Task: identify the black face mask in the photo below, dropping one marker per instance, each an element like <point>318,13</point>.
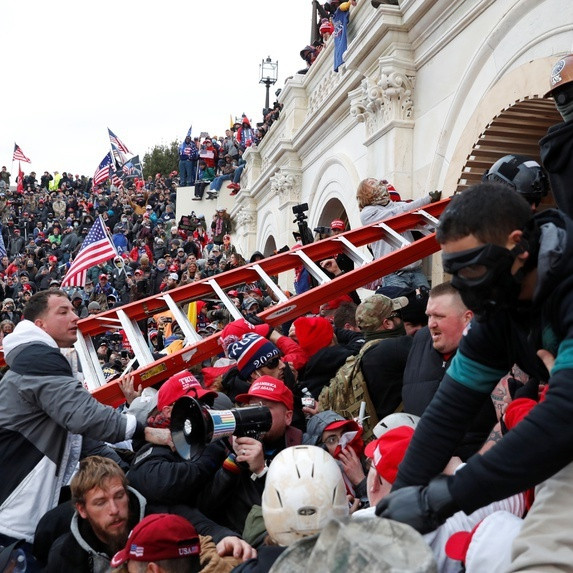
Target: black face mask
<point>483,277</point>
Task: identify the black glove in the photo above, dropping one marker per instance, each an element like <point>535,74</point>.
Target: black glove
<point>519,390</point>
<point>423,508</point>
<point>435,196</point>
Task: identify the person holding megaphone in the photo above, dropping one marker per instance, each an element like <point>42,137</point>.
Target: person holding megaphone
<point>238,485</point>
<point>173,484</point>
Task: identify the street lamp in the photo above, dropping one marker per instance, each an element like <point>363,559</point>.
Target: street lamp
<point>269,74</point>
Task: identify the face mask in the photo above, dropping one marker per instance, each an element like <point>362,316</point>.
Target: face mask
<point>483,277</point>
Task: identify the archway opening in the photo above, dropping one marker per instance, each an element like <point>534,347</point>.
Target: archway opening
<point>334,209</point>
<point>270,247</point>
<point>516,129</point>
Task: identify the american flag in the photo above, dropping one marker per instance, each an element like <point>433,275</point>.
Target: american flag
<point>119,157</point>
<point>96,248</point>
<point>117,142</point>
<point>102,172</point>
<point>19,154</point>
<point>116,178</point>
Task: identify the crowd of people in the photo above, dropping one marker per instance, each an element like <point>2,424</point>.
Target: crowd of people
<point>445,408</point>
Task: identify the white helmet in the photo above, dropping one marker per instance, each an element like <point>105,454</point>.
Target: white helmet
<point>303,491</point>
<point>394,421</point>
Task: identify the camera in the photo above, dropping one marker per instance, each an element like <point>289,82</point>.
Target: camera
<point>322,230</point>
<point>299,210</point>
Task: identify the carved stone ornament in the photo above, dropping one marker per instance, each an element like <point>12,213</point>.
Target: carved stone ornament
<point>378,102</point>
<point>246,220</point>
<point>286,185</point>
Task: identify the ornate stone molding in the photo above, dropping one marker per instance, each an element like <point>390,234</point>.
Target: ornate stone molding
<point>247,220</point>
<point>383,99</point>
<point>287,185</point>
<point>323,91</point>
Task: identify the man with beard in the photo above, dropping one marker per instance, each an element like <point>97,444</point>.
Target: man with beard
<point>514,271</point>
<point>106,509</point>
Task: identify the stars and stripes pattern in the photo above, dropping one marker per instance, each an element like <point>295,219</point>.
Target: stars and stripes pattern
<point>117,142</point>
<point>102,172</point>
<point>19,154</point>
<point>96,248</point>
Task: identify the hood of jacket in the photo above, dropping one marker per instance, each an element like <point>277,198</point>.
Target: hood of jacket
<point>26,332</point>
<point>316,425</point>
<point>137,505</point>
<point>553,235</point>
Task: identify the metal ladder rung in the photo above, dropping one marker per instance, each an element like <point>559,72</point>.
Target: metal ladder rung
<point>190,333</point>
<point>429,219</point>
<point>233,310</point>
<point>281,296</point>
<point>392,237</point>
<point>136,339</point>
<point>351,251</point>
<point>89,360</point>
<point>312,267</point>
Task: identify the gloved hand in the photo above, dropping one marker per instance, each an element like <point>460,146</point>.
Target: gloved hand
<point>435,196</point>
<point>423,508</point>
<point>518,389</point>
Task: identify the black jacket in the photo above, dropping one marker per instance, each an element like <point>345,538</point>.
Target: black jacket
<point>228,499</point>
<point>424,371</point>
<point>80,550</point>
<point>556,150</point>
<point>383,366</point>
<point>163,476</point>
<point>542,443</point>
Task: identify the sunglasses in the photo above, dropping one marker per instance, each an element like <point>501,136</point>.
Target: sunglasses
<point>272,364</point>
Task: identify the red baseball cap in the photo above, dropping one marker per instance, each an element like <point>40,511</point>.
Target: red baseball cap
<point>268,388</point>
<point>159,536</point>
<point>348,425</point>
<point>181,384</point>
<point>338,224</point>
<point>53,259</point>
<point>388,451</point>
<point>103,276</point>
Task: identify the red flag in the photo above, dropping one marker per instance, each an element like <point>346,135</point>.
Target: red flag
<point>20,180</point>
<point>96,248</point>
<point>19,155</point>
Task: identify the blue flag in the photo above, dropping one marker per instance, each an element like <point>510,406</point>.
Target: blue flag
<point>340,21</point>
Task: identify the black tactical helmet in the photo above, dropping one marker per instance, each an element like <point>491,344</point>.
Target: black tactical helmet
<point>522,173</point>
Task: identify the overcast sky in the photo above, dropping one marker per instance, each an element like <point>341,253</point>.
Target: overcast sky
<point>145,69</point>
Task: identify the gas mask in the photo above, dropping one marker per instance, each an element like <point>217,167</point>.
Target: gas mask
<point>483,277</point>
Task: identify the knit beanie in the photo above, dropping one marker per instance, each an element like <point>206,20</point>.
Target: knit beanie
<point>251,352</point>
<point>313,333</point>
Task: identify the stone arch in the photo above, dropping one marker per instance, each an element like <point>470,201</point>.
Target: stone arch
<point>333,191</point>
<point>266,241</point>
<point>515,130</point>
<point>500,87</point>
<point>333,209</point>
<point>502,96</point>
<point>270,247</point>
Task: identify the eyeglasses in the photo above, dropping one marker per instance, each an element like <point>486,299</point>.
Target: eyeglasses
<point>332,440</point>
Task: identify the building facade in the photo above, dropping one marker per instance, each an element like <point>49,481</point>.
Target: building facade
<point>431,93</point>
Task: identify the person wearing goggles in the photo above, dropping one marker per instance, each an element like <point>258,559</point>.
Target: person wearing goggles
<point>514,269</point>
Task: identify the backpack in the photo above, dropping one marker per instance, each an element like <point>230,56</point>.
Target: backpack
<point>347,390</point>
